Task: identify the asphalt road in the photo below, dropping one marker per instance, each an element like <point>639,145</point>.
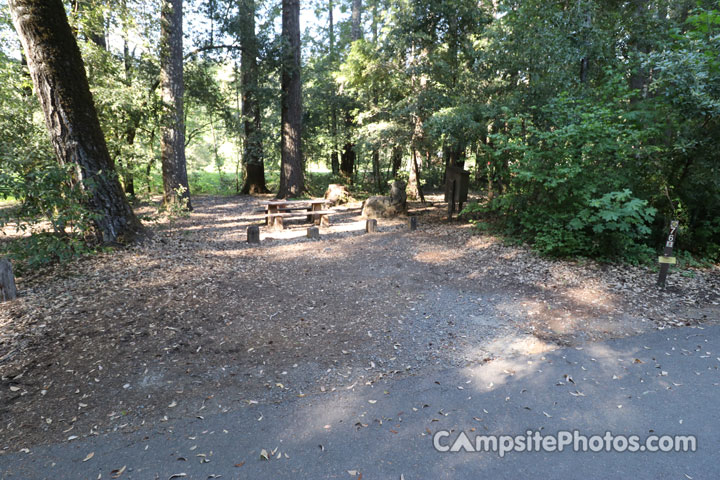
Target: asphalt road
<point>662,383</point>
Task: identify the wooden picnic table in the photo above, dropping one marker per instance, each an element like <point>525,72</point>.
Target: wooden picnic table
<point>277,210</point>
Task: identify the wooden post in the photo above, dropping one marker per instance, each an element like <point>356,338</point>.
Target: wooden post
<point>371,226</point>
<point>313,232</point>
<point>412,223</point>
<point>8,290</point>
<point>667,259</point>
<point>253,234</point>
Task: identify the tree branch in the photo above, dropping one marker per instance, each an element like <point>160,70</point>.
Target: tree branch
<point>212,47</point>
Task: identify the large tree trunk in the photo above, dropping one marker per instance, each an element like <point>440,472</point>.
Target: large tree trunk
<point>377,175</point>
<point>347,163</point>
<point>59,77</point>
<point>586,44</point>
<point>396,161</point>
<point>292,182</point>
<point>335,161</point>
<point>174,168</point>
<point>334,155</point>
<point>414,186</point>
<point>637,46</point>
<point>418,84</point>
<point>253,156</point>
<point>356,20</point>
<point>134,120</point>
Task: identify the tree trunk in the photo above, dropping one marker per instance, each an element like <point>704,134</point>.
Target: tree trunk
<point>638,44</point>
<point>253,156</point>
<point>174,167</point>
<point>334,155</point>
<point>292,182</point>
<point>335,161</point>
<point>396,161</point>
<point>377,176</point>
<point>59,77</point>
<point>414,186</point>
<point>134,120</point>
<point>418,85</point>
<point>347,165</point>
<point>586,44</point>
<point>356,20</point>
<point>347,162</point>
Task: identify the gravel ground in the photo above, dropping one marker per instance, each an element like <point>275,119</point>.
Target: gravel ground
<point>194,321</point>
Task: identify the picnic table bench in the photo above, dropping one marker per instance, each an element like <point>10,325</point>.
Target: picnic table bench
<point>277,211</point>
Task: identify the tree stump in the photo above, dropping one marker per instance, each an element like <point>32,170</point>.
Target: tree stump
<point>412,223</point>
<point>8,290</point>
<point>313,232</point>
<point>277,224</point>
<point>337,194</point>
<point>253,234</point>
<point>371,226</point>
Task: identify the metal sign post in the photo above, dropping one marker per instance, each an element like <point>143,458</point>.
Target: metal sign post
<point>667,259</point>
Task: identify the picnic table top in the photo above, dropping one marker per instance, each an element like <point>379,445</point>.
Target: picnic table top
<point>300,215</point>
<point>291,202</point>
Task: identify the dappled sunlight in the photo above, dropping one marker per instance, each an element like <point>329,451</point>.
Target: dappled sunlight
<point>327,412</point>
<point>569,315</point>
<point>509,255</point>
<point>589,296</point>
<point>226,253</point>
<point>197,302</point>
<point>520,345</point>
<point>603,352</point>
<point>14,231</point>
<point>438,256</point>
<point>481,242</point>
<point>496,373</point>
<point>292,232</point>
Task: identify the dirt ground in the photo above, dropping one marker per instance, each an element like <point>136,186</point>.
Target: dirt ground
<point>194,320</point>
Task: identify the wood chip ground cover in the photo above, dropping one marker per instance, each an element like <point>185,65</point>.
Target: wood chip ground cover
<point>194,320</point>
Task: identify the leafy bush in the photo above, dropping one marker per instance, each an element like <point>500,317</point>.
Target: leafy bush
<point>49,203</point>
<point>571,181</point>
<point>615,224</point>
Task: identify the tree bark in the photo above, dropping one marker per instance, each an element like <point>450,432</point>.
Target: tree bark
<point>638,45</point>
<point>292,182</point>
<point>377,175</point>
<point>347,164</point>
<point>586,45</point>
<point>253,155</point>
<point>356,20</point>
<point>334,155</point>
<point>134,120</point>
<point>335,161</point>
<point>61,84</point>
<point>418,85</point>
<point>174,166</point>
<point>396,161</point>
<point>414,186</point>
<point>347,161</point>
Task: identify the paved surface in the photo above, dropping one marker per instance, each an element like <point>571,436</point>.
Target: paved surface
<point>665,383</point>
